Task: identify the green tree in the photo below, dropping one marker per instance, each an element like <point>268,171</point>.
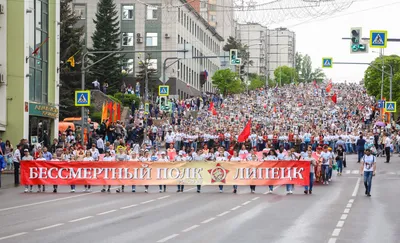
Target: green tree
<point>106,37</point>
<point>298,59</point>
<point>373,78</point>
<point>285,75</point>
<point>227,82</point>
<point>318,75</point>
<point>304,69</point>
<point>71,43</point>
<point>256,81</point>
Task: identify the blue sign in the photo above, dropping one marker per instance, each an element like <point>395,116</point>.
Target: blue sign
<point>381,104</point>
<point>378,39</point>
<point>327,62</point>
<point>390,106</point>
<point>82,98</point>
<point>163,90</point>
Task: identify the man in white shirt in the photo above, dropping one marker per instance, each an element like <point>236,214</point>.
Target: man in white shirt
<point>388,142</point>
<point>100,145</point>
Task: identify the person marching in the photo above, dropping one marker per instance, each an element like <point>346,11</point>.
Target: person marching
<point>163,158</point>
<point>313,163</point>
<point>121,156</point>
<point>326,160</point>
<point>368,169</point>
<point>235,158</point>
<point>88,158</point>
<point>271,156</point>
<point>107,157</point>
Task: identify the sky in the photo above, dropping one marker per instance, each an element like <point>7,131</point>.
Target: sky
<point>323,37</point>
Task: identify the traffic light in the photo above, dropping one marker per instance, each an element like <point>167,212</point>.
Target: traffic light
<point>242,71</point>
<point>356,43</point>
<point>233,57</point>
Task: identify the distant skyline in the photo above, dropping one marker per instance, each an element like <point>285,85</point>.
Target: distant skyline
<point>322,37</point>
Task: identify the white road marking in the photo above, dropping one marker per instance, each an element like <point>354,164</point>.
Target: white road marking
<point>190,228</point>
<point>233,209</point>
<point>12,236</point>
<point>347,172</point>
<point>346,210</point>
<point>351,200</point>
<point>354,172</point>
<point>332,240</point>
<point>207,220</point>
<point>348,205</point>
<point>48,201</point>
<point>224,213</point>
<point>49,227</point>
<point>147,201</point>
<point>340,224</point>
<point>160,198</point>
<point>80,219</point>
<point>245,203</point>
<point>107,212</point>
<point>255,198</point>
<point>343,217</point>
<point>356,187</point>
<point>130,206</point>
<point>336,232</point>
<point>168,238</point>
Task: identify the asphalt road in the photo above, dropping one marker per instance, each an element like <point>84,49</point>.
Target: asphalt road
<point>339,212</point>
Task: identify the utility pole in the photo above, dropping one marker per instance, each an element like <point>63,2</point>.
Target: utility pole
<point>383,74</point>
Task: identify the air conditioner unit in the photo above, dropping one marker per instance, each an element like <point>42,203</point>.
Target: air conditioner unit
<point>167,36</point>
<point>138,35</point>
<point>139,40</point>
<point>2,9</point>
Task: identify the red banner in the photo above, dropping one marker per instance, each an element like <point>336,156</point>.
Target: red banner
<point>165,173</point>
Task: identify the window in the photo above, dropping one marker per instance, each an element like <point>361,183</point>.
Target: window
<point>151,39</point>
<point>80,11</point>
<point>203,5</point>
<point>127,12</point>
<point>151,12</point>
<point>212,7</point>
<point>127,65</point>
<point>152,64</point>
<point>127,39</point>
<point>213,18</point>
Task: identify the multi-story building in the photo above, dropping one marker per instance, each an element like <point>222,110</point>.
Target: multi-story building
<point>281,49</point>
<point>254,35</point>
<point>155,26</point>
<point>29,62</point>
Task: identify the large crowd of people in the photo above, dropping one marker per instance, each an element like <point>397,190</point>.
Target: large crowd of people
<point>291,122</point>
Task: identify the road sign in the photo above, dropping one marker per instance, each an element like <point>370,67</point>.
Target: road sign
<point>146,108</point>
<point>378,38</point>
<point>381,104</point>
<point>390,106</point>
<point>327,62</point>
<point>163,90</point>
<point>82,98</point>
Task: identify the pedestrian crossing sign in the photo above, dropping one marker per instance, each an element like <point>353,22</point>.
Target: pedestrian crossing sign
<point>390,106</point>
<point>378,39</point>
<point>82,98</point>
<point>327,62</point>
<point>163,90</point>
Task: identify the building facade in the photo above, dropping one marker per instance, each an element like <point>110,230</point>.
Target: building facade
<point>158,27</point>
<point>281,49</point>
<point>254,36</point>
<point>29,69</point>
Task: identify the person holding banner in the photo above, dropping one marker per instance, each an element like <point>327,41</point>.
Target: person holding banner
<point>163,158</point>
<point>271,156</point>
<point>313,163</point>
<point>122,156</point>
<point>235,158</point>
<point>107,157</point>
<point>145,158</point>
<point>221,158</point>
<point>252,157</point>
<point>27,157</point>
<point>88,158</point>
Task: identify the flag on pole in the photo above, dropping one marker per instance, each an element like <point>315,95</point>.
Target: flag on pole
<point>71,61</point>
<point>114,117</point>
<point>118,111</point>
<point>104,112</point>
<point>245,133</point>
<point>334,98</point>
<point>110,105</point>
<point>211,106</point>
<point>36,51</point>
<point>329,87</point>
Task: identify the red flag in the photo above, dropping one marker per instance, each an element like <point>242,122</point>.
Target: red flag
<point>118,111</point>
<point>245,133</point>
<point>35,52</point>
<point>328,88</point>
<point>211,106</point>
<point>214,112</point>
<point>110,109</point>
<point>275,109</point>
<point>334,98</point>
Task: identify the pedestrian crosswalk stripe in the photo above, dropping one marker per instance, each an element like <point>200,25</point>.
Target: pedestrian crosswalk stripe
<point>347,171</point>
<point>355,172</point>
<point>82,99</point>
<point>378,40</point>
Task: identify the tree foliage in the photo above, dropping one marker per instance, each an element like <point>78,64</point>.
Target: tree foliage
<point>106,37</point>
<point>243,52</point>
<point>256,81</point>
<point>373,78</point>
<point>285,75</point>
<point>152,76</point>
<point>227,82</point>
<point>71,42</point>
<point>304,69</point>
